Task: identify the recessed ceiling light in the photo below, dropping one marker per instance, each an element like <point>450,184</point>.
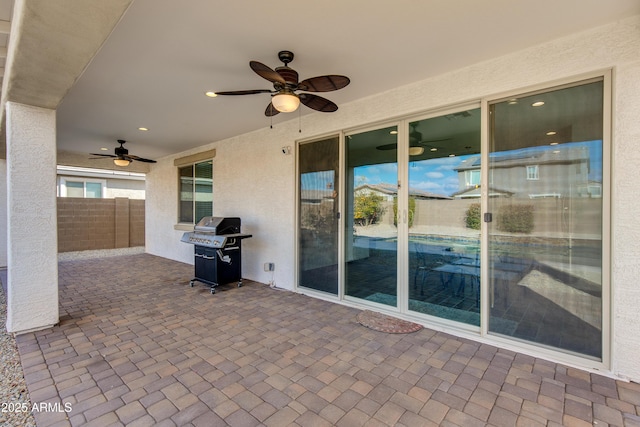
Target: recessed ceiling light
<point>394,132</point>
<point>513,101</point>
<point>452,155</point>
<point>553,143</point>
<point>104,149</point>
<point>434,149</point>
<point>211,94</point>
<point>551,132</point>
<point>538,104</point>
<point>143,129</point>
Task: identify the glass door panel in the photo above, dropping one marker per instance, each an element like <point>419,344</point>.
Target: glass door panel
<point>545,238</point>
<point>318,165</point>
<point>371,237</point>
<point>444,216</point>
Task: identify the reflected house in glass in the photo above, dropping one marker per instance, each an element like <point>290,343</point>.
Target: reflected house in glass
<point>389,191</point>
<point>538,172</point>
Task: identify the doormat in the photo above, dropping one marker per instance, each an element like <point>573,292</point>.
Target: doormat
<point>383,323</point>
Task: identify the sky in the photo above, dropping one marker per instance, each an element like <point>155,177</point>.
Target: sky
<point>439,176</point>
<point>435,176</point>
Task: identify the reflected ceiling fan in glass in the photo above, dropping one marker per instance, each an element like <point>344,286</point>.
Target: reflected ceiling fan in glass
<point>416,144</point>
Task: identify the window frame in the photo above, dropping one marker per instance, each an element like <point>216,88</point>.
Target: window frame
<point>63,186</point>
<point>473,178</point>
<point>193,200</point>
<point>535,176</point>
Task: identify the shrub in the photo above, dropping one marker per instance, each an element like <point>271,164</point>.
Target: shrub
<point>515,218</point>
<point>412,210</point>
<point>472,217</point>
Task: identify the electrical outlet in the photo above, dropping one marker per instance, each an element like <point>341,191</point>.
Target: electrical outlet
<point>269,266</point>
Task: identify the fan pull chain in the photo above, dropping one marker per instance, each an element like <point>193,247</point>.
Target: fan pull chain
<point>299,120</point>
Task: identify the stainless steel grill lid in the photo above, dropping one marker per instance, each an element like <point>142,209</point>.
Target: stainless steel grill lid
<point>218,225</point>
<point>215,232</point>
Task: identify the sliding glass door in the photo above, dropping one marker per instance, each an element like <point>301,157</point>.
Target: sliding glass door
<point>318,173</point>
<point>444,216</point>
<point>546,206</point>
<point>500,232</point>
<point>371,234</point>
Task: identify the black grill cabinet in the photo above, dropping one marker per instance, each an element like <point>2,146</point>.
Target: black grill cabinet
<point>217,251</point>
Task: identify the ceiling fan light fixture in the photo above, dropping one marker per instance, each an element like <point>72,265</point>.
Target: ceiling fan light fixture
<point>286,102</point>
<point>416,151</point>
<point>121,162</point>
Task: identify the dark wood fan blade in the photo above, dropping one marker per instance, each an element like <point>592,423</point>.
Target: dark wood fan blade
<point>139,159</point>
<point>271,110</point>
<point>103,155</point>
<point>244,92</point>
<point>324,83</point>
<point>317,103</point>
<point>266,72</point>
<point>387,147</point>
<point>427,142</point>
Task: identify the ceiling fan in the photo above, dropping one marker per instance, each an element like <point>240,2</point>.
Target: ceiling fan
<point>285,85</point>
<point>416,143</point>
<point>122,156</point>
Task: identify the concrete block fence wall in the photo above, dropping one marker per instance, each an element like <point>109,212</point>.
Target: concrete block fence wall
<point>86,224</point>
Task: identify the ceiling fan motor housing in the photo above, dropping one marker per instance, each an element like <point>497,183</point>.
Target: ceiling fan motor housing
<point>289,75</point>
<point>121,151</point>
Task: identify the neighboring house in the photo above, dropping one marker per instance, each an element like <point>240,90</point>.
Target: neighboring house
<point>316,197</point>
<point>99,183</point>
<point>390,191</point>
<point>541,172</point>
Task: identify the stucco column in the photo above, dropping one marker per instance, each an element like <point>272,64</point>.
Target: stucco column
<point>32,242</point>
<point>3,213</point>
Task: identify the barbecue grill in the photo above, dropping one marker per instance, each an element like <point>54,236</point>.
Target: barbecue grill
<point>217,251</point>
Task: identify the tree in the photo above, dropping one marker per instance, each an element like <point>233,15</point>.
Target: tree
<point>367,208</point>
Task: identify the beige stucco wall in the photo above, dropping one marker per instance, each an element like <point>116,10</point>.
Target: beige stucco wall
<point>254,180</point>
<point>125,188</point>
<point>3,214</point>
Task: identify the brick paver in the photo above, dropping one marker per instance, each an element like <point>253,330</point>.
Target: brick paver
<point>136,345</point>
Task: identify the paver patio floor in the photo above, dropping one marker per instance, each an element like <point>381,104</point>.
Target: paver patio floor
<point>136,345</point>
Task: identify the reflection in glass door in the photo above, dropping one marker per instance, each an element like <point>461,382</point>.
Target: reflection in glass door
<point>444,216</point>
<point>545,237</point>
<point>371,237</point>
<point>318,166</point>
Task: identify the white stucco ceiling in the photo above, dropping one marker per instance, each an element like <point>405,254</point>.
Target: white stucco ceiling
<point>163,55</point>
